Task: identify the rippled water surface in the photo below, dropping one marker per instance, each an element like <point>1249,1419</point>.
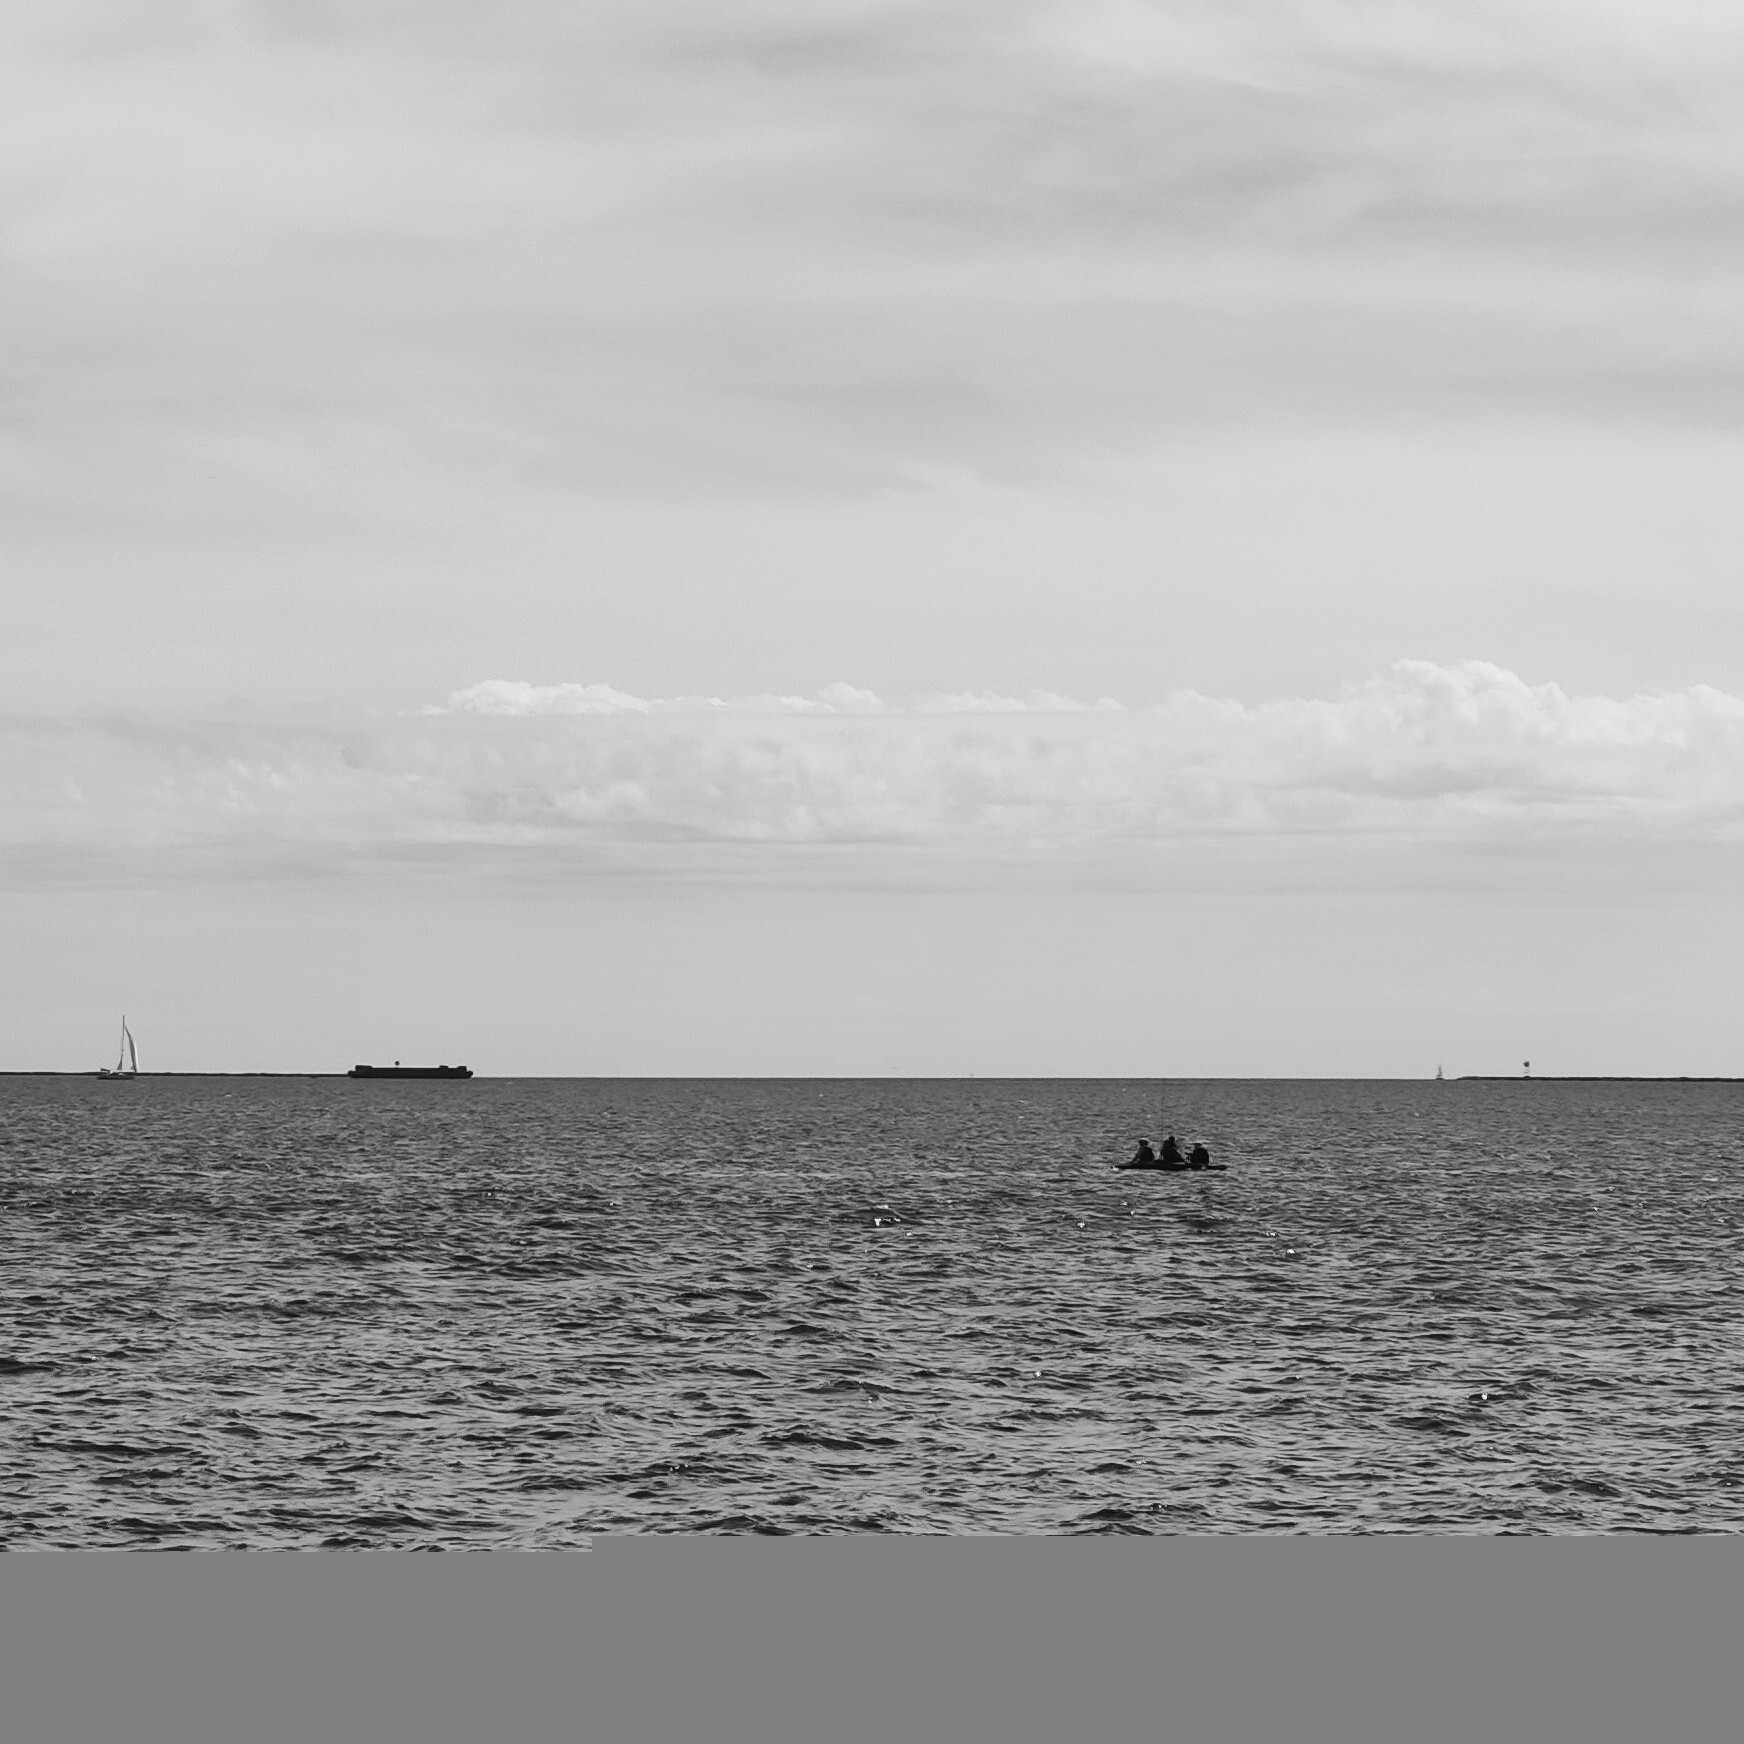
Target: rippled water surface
<point>284,1312</point>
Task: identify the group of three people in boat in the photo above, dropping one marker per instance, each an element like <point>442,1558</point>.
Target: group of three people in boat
<point>1170,1158</point>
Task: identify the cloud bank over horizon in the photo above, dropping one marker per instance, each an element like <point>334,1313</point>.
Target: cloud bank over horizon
<point>1422,754</point>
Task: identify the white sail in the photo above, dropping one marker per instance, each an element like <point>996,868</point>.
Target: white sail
<point>127,1060</point>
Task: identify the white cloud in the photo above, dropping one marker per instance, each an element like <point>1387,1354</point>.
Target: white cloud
<point>987,702</point>
<point>499,696</point>
<point>1422,753</point>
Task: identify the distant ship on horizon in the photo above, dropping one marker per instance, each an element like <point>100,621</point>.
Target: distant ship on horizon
<point>396,1070</point>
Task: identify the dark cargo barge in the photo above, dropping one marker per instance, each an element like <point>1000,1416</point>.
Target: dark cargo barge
<point>398,1071</point>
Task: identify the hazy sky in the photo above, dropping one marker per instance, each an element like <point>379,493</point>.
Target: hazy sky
<point>1137,537</point>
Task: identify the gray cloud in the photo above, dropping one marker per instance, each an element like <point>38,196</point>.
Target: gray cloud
<point>347,252</point>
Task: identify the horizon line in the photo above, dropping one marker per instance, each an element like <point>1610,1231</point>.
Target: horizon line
<point>933,1077</point>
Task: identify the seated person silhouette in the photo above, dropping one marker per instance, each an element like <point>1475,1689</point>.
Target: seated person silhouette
<point>1172,1153</point>
<point>1144,1155</point>
<point>1199,1157</point>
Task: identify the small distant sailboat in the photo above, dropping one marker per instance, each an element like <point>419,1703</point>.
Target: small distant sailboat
<point>1438,1075</point>
<point>127,1062</point>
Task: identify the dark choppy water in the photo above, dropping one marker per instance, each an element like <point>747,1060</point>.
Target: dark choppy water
<point>304,1312</point>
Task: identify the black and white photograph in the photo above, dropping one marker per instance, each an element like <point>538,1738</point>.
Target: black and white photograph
<point>816,768</point>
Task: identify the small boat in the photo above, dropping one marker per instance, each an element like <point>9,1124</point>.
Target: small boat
<point>1170,1159</point>
<point>127,1062</point>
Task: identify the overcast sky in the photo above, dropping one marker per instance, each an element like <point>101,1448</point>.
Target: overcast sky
<point>1138,537</point>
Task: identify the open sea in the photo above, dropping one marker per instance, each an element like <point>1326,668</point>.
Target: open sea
<point>281,1312</point>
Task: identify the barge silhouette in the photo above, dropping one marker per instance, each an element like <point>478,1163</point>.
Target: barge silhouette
<point>396,1070</point>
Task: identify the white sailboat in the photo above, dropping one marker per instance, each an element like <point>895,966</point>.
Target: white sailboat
<point>127,1063</point>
